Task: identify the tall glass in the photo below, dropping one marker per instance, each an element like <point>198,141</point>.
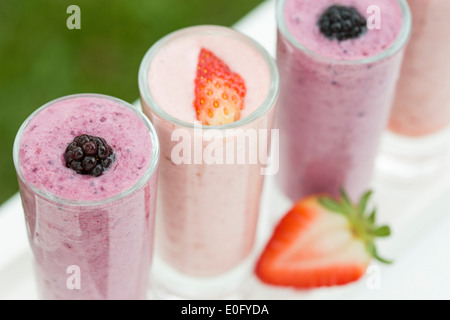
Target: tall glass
<point>418,143</point>
<point>207,212</point>
<point>332,112</point>
<point>99,247</point>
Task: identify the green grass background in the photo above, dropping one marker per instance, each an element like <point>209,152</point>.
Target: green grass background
<point>40,59</point>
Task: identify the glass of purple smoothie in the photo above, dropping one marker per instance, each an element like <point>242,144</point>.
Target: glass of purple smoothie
<point>339,62</point>
<point>87,171</point>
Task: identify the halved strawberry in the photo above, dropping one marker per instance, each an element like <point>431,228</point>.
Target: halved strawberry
<point>219,92</point>
<point>321,241</point>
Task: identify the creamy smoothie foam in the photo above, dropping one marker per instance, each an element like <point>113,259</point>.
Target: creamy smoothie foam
<point>207,214</point>
<point>335,95</point>
<point>102,225</point>
<point>172,71</point>
<point>301,18</point>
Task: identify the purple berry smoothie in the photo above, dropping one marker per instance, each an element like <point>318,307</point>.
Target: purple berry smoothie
<point>102,225</point>
<point>335,95</point>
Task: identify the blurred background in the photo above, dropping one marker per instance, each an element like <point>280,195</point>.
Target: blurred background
<point>41,59</point>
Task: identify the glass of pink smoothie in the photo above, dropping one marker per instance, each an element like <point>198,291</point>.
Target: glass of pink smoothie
<point>418,142</point>
<point>91,232</point>
<point>422,104</point>
<point>337,86</point>
<point>207,210</point>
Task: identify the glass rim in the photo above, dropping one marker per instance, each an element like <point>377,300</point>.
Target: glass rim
<point>262,109</point>
<point>396,46</point>
<point>151,169</point>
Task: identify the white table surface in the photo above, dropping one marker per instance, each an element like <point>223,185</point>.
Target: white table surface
<point>418,213</point>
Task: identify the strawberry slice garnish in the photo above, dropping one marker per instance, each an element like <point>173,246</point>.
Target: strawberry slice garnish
<point>219,92</point>
<point>321,241</point>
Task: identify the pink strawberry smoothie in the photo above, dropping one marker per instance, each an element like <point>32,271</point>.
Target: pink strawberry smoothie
<point>335,95</point>
<point>422,103</point>
<point>207,213</point>
<point>103,225</point>
<point>171,72</point>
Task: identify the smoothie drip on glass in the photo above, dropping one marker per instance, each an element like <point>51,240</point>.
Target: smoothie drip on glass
<point>99,226</point>
<point>336,91</point>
